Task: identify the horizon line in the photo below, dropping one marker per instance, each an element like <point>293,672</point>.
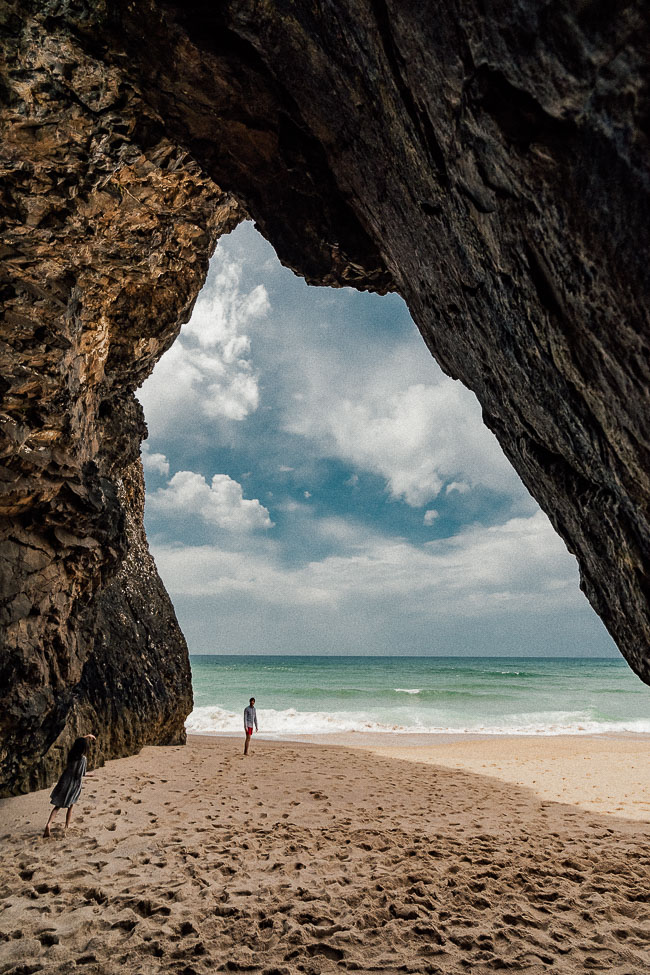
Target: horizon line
<point>437,656</point>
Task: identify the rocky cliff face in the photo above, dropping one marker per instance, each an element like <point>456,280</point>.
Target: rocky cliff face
<point>108,226</point>
<point>489,161</point>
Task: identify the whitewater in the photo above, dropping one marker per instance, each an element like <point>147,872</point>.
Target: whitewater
<point>316,695</point>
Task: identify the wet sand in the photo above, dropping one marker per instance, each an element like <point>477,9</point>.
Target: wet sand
<point>304,858</point>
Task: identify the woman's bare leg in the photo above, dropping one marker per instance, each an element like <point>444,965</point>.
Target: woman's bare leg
<point>68,816</point>
<point>46,831</point>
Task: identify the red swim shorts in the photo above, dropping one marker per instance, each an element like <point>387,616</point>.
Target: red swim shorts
<point>249,731</point>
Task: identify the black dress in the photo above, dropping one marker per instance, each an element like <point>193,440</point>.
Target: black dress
<point>68,789</point>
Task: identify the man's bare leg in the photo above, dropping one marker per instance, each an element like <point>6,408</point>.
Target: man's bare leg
<point>246,744</point>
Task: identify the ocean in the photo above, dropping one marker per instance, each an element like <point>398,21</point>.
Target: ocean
<point>319,695</point>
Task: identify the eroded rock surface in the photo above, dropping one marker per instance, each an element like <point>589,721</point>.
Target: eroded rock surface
<point>490,161</point>
<point>108,226</point>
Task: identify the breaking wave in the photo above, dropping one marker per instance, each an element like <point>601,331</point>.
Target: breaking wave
<point>215,720</point>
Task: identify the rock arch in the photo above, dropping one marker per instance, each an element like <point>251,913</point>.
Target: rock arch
<point>488,160</point>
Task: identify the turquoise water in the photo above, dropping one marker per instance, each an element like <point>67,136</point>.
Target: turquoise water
<point>299,695</point>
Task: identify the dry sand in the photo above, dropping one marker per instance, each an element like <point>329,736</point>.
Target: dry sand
<point>304,858</point>
<point>603,774</point>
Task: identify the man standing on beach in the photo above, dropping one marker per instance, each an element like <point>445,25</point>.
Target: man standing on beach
<point>250,719</point>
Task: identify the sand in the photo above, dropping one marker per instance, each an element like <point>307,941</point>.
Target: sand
<point>603,774</point>
<point>305,858</point>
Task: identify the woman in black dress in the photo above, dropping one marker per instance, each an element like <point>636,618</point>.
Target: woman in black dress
<point>68,789</point>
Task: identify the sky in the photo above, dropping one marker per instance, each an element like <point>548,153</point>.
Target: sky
<point>316,484</point>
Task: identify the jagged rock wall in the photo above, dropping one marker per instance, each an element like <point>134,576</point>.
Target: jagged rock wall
<point>135,686</point>
<point>489,160</point>
<point>107,228</point>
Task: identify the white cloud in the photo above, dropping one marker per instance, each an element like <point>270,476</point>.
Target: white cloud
<point>289,506</point>
<point>430,516</point>
<point>156,463</point>
<point>417,435</point>
<point>222,310</point>
<point>460,486</point>
<point>220,503</point>
<point>207,373</point>
<point>521,566</point>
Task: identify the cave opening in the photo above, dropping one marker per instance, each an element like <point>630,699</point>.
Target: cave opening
<point>316,486</point>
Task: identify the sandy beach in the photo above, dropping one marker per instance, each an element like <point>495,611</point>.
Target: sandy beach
<point>603,774</point>
<point>316,859</point>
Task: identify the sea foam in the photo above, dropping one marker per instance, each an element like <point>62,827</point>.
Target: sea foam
<point>216,720</point>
